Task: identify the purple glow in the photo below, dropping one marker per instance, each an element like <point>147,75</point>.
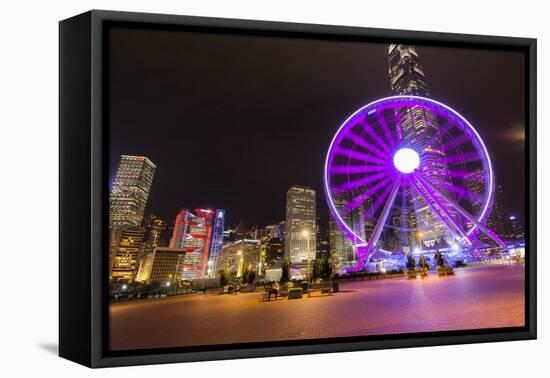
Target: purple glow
<point>380,156</point>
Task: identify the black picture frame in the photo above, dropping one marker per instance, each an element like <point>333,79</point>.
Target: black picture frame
<point>83,196</point>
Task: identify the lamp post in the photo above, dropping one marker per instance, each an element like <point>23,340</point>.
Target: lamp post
<point>305,234</point>
<point>420,236</point>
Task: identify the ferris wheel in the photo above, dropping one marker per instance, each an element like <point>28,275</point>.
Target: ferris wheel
<point>408,165</point>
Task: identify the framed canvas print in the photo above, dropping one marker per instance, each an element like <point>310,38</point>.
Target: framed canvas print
<point>233,188</point>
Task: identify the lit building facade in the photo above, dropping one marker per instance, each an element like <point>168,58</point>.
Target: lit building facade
<point>242,254</point>
<point>216,244</point>
<point>271,231</point>
<point>300,217</point>
<point>125,244</point>
<point>200,236</point>
<point>130,190</point>
<point>499,216</point>
<point>516,230</point>
<point>154,228</point>
<point>275,251</point>
<point>162,266</point>
<point>342,248</point>
<point>497,219</point>
<point>419,128</point>
<point>475,185</point>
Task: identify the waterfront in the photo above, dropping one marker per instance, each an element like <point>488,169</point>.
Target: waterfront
<point>479,297</point>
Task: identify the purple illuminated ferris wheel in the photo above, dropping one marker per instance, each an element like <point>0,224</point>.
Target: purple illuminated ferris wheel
<point>404,166</point>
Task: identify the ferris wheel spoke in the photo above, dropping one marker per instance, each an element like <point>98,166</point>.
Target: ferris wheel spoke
<point>434,139</point>
<point>464,213</point>
<point>445,216</point>
<point>387,133</point>
<point>347,186</point>
<point>362,197</point>
<point>352,169</point>
<point>456,142</point>
<point>366,145</point>
<point>458,173</point>
<point>379,201</point>
<point>349,153</point>
<point>384,216</point>
<point>377,139</point>
<point>462,158</point>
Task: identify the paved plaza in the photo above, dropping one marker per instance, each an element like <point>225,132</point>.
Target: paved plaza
<point>477,297</point>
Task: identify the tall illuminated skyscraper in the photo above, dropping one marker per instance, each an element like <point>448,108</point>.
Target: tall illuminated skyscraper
<point>419,129</point>
<point>200,236</point>
<point>300,218</point>
<point>130,190</point>
<point>217,243</point>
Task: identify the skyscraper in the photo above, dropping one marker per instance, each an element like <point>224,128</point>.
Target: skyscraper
<point>341,247</point>
<point>419,129</point>
<point>200,235</point>
<point>217,243</point>
<point>498,219</point>
<point>154,228</point>
<point>475,184</point>
<point>300,221</point>
<point>125,244</point>
<point>130,190</point>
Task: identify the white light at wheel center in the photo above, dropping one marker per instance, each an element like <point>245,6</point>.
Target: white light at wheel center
<point>406,160</point>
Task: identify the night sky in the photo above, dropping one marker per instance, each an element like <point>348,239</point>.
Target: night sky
<point>233,121</point>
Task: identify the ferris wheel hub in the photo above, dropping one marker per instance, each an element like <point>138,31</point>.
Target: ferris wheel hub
<point>406,160</point>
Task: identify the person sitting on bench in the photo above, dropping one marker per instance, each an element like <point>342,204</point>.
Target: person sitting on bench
<point>274,290</point>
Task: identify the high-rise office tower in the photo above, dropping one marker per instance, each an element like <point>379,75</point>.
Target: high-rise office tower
<point>154,228</point>
<point>342,248</point>
<point>301,227</point>
<point>216,244</point>
<point>130,190</point>
<point>498,218</point>
<point>200,235</point>
<point>125,244</point>
<point>516,230</point>
<point>419,129</point>
<point>475,184</point>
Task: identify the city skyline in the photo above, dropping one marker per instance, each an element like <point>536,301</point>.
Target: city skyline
<point>254,155</point>
<point>361,173</point>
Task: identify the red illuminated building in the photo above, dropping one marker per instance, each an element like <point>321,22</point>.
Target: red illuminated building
<point>193,234</point>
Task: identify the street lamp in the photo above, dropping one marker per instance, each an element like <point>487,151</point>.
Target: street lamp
<point>305,234</point>
<point>420,236</point>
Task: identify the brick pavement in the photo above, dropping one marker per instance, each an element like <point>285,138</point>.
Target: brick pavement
<point>478,297</point>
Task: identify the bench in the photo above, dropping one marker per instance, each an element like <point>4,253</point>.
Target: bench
<point>445,271</point>
<point>322,289</point>
<point>283,292</point>
<point>411,273</point>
